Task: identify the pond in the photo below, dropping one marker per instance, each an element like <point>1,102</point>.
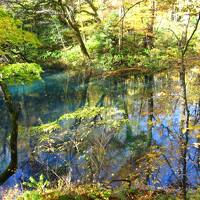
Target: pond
<point>146,113</point>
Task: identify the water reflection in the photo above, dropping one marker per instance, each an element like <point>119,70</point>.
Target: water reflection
<point>152,114</point>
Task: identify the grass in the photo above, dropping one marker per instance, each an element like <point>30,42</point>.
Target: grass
<point>98,192</point>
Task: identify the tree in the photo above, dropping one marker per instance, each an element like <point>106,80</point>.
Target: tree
<point>21,73</point>
<point>13,38</point>
<point>185,123</point>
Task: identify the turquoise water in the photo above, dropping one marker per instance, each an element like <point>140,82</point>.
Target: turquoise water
<point>136,96</point>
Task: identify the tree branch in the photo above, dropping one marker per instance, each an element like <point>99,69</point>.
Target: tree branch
<point>124,15</point>
<point>191,36</point>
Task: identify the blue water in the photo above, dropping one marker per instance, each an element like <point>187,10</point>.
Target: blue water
<point>59,93</point>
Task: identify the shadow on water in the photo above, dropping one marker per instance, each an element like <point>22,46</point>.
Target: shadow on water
<point>151,106</point>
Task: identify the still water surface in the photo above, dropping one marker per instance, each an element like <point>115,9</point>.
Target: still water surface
<point>150,105</point>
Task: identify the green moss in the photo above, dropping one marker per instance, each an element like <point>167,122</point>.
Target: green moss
<point>97,192</point>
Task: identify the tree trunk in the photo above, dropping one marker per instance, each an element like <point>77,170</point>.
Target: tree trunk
<point>69,20</point>
<point>81,43</point>
<point>149,82</point>
<point>94,9</point>
<point>149,38</point>
<point>184,127</point>
<point>149,79</point>
<point>184,44</point>
<point>11,168</point>
<point>121,29</point>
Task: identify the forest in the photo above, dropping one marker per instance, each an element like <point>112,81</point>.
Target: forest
<point>99,99</point>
